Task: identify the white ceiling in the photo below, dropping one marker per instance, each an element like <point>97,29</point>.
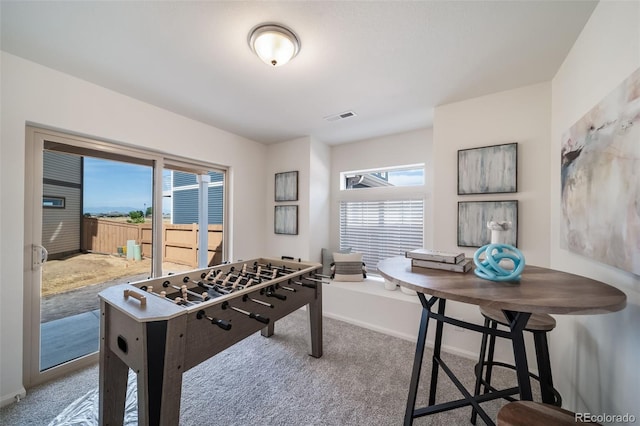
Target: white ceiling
<point>391,62</point>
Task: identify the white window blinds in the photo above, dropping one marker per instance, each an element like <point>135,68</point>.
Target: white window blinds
<point>381,229</point>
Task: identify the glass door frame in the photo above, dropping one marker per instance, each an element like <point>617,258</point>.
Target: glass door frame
<point>36,138</point>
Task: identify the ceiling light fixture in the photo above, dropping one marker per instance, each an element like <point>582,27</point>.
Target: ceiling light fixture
<point>274,44</point>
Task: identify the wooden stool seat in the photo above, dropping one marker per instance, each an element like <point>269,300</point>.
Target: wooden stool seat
<point>537,322</point>
<point>529,413</point>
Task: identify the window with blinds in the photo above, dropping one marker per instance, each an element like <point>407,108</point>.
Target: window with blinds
<point>381,229</point>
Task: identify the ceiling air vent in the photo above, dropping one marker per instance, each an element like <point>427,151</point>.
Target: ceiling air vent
<point>341,116</point>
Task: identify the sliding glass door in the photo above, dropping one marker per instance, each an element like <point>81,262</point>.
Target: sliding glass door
<point>100,216</point>
<point>94,213</point>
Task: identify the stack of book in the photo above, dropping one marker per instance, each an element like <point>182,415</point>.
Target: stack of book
<point>433,259</point>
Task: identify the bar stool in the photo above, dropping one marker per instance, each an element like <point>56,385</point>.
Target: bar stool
<point>526,413</point>
<point>538,325</point>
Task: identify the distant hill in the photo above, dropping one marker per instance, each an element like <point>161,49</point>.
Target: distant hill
<point>112,211</point>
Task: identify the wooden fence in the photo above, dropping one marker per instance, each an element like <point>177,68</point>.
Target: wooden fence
<point>179,242</point>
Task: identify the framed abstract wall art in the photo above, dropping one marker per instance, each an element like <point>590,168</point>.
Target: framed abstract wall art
<point>488,170</point>
<point>474,215</point>
<point>286,186</point>
<point>286,220</point>
<point>600,180</point>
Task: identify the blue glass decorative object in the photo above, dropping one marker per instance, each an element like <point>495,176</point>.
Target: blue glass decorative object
<point>489,268</point>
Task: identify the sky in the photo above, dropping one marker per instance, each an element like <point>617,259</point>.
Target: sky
<point>116,186</point>
<point>407,177</point>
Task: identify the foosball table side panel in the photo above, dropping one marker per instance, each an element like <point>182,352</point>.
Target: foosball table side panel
<point>113,375</point>
<point>160,381</point>
<point>205,339</point>
<point>155,352</point>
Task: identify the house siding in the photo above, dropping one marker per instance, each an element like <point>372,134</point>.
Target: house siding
<point>62,177</point>
<point>185,198</point>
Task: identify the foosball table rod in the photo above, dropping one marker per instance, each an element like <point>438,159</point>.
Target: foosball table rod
<point>237,281</point>
<point>183,289</point>
<point>184,300</point>
<point>259,302</point>
<point>316,280</point>
<point>300,283</point>
<point>252,315</point>
<point>216,321</point>
<point>271,267</point>
<point>326,277</point>
<point>293,290</point>
<point>163,295</point>
<point>212,288</point>
<point>269,292</point>
<point>259,274</point>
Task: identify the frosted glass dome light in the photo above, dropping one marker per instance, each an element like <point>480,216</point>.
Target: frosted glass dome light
<point>274,44</point>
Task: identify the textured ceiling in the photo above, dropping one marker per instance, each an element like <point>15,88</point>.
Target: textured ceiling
<point>390,62</point>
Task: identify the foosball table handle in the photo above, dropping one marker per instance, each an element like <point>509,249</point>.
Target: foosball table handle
<point>140,297</point>
<point>259,318</point>
<point>271,293</point>
<point>303,284</point>
<point>225,325</point>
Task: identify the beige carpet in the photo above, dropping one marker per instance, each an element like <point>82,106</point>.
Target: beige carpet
<point>362,379</point>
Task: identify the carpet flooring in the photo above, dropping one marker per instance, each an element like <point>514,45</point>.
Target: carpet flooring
<point>362,379</point>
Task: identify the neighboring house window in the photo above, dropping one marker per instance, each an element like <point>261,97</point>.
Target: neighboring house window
<point>49,202</point>
<point>412,175</point>
<point>389,220</point>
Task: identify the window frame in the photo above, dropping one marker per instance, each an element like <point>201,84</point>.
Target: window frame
<point>53,205</point>
<point>407,167</point>
<point>158,160</point>
<point>386,193</point>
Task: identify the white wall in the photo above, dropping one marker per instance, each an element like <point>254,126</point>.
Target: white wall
<point>311,159</point>
<point>595,357</point>
<point>387,151</point>
<point>286,157</point>
<point>35,94</point>
<point>368,304</point>
<point>319,193</point>
<point>521,115</point>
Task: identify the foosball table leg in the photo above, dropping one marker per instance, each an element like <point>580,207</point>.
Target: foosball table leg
<point>160,380</point>
<point>112,402</point>
<point>268,330</point>
<point>314,310</point>
<point>155,351</point>
<point>113,375</point>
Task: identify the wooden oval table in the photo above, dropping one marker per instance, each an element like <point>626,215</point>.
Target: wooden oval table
<point>540,290</point>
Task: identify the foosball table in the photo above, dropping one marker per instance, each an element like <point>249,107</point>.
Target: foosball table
<point>162,327</point>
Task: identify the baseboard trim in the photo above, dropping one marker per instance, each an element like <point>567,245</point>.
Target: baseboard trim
<point>368,326</point>
<point>449,349</point>
<point>13,397</point>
